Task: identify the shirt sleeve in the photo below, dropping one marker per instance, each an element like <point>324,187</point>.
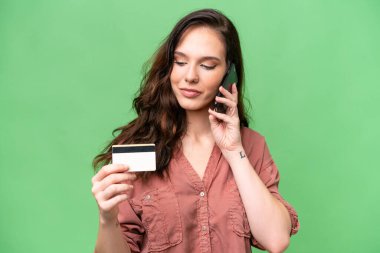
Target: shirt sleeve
<point>131,226</point>
<point>269,174</point>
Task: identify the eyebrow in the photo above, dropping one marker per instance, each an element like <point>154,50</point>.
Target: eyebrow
<point>202,58</point>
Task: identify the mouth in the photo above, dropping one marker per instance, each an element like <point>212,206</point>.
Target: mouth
<point>190,93</point>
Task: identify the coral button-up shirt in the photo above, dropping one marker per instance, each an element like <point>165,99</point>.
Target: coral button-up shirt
<point>184,213</point>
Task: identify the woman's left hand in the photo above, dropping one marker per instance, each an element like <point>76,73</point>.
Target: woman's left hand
<point>226,127</point>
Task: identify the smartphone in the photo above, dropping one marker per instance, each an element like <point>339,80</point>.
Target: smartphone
<point>229,78</point>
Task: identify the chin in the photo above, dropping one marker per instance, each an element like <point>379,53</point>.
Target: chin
<point>188,107</point>
<point>193,106</point>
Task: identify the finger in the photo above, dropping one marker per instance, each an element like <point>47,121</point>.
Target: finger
<point>235,92</point>
<point>226,93</point>
<point>116,178</point>
<point>220,116</point>
<point>111,203</point>
<point>234,88</point>
<point>107,170</point>
<point>116,189</point>
<point>213,120</point>
<point>226,101</point>
<point>231,105</point>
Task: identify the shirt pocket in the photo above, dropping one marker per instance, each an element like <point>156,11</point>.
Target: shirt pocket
<point>237,216</point>
<point>161,219</point>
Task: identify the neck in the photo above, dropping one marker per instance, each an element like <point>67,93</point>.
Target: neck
<point>198,126</point>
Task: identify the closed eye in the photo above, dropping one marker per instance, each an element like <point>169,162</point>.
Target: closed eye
<point>208,67</point>
<point>180,63</point>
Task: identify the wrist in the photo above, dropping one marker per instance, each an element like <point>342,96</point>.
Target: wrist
<point>236,153</point>
<point>108,222</point>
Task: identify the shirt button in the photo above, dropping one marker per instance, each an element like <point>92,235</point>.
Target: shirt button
<point>202,194</point>
<point>147,196</point>
<point>204,228</point>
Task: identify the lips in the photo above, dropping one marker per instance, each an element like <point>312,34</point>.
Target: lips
<point>190,93</point>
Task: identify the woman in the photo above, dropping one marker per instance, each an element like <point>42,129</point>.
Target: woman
<point>216,185</point>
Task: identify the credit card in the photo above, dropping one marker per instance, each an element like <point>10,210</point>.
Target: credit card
<point>138,157</point>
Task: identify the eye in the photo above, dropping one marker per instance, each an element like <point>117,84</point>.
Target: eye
<point>180,63</point>
<point>208,67</point>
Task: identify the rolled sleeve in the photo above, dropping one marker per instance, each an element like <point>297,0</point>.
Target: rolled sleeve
<point>131,226</point>
<point>270,176</point>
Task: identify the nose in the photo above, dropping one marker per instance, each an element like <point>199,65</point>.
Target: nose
<point>192,75</point>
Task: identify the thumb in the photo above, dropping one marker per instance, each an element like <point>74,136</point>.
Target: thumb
<point>213,120</point>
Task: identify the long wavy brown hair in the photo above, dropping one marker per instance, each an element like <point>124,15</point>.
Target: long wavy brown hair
<point>160,119</point>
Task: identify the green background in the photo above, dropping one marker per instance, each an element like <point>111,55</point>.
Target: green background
<point>69,70</point>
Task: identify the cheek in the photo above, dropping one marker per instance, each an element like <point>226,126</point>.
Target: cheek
<point>175,76</point>
<point>213,82</point>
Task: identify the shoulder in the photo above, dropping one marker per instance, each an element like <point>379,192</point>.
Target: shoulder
<point>251,138</point>
<point>256,148</point>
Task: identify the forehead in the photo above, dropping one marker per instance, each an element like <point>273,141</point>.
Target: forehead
<point>201,41</point>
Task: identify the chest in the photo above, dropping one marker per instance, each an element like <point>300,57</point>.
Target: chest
<point>193,211</point>
<point>198,157</point>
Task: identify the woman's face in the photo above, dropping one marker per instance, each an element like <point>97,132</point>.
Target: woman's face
<point>198,68</point>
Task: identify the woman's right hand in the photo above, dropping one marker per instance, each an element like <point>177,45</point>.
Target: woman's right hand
<point>111,186</point>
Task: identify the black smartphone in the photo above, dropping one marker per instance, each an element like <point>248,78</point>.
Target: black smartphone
<point>229,78</point>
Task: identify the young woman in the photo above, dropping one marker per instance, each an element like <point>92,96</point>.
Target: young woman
<point>216,186</point>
